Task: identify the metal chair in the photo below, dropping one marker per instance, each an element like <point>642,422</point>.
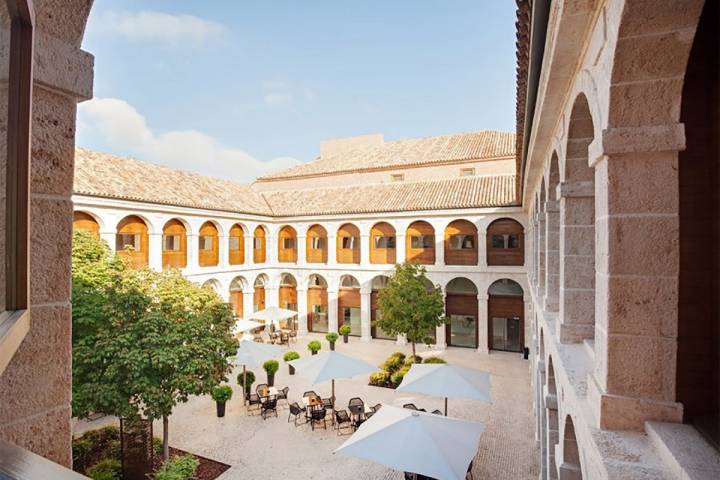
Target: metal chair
<point>295,411</point>
<point>329,403</point>
<point>283,394</point>
<point>317,416</point>
<point>437,412</point>
<point>410,406</point>
<point>342,417</point>
<point>253,399</point>
<point>261,387</point>
<point>269,405</point>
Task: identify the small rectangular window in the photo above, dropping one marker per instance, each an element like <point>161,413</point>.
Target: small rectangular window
<point>234,243</point>
<point>505,241</point>
<point>384,242</point>
<point>317,243</point>
<point>422,241</point>
<point>288,243</point>
<point>397,177</point>
<point>123,240</point>
<point>257,243</point>
<point>171,243</point>
<point>467,172</point>
<point>462,242</point>
<point>206,243</point>
<point>349,243</point>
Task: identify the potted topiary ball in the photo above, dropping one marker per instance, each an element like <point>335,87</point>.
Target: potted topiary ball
<point>331,338</point>
<point>314,347</point>
<point>221,394</point>
<point>271,367</point>
<point>250,376</point>
<point>289,357</point>
<point>345,331</point>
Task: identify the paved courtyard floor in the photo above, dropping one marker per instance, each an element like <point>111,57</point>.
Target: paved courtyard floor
<point>275,449</point>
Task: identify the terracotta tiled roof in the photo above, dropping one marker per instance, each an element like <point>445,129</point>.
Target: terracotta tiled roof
<point>464,192</point>
<point>522,27</point>
<point>105,175</point>
<point>409,152</point>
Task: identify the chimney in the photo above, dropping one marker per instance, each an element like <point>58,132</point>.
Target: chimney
<point>340,145</point>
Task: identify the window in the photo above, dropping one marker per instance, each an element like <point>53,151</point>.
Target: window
<point>349,282</point>
<point>467,172</point>
<point>397,177</point>
<point>234,243</point>
<point>288,243</point>
<point>206,243</point>
<point>171,243</point>
<point>257,243</point>
<point>384,242</point>
<point>123,240</point>
<point>422,241</point>
<point>462,242</point>
<point>317,243</point>
<point>505,241</point>
<point>349,243</point>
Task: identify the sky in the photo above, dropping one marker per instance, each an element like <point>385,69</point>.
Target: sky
<point>237,89</point>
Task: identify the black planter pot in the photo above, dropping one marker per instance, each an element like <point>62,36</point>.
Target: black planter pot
<point>292,369</point>
<point>220,406</point>
<point>271,379</point>
<point>313,352</point>
<point>332,346</point>
<point>345,338</point>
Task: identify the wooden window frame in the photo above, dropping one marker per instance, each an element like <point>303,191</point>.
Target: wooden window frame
<point>15,319</point>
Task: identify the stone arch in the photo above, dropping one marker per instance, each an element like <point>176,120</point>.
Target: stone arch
<point>212,283</point>
<point>317,303</point>
<point>382,243</point>
<point>287,244</point>
<point>461,243</point>
<point>86,222</point>
<point>131,240</point>
<point>506,313</point>
<point>377,283</point>
<point>238,286</point>
<point>287,298</point>
<point>316,244</point>
<point>461,308</point>
<point>260,235</point>
<point>348,244</point>
<point>420,243</point>
<point>577,229</point>
<point>174,244</point>
<point>551,421</point>
<point>349,304</point>
<point>571,466</point>
<point>552,237</point>
<point>209,244</point>
<point>505,242</point>
<point>259,285</point>
<point>236,244</point>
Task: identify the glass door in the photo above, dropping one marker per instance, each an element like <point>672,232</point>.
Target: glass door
<point>351,316</point>
<point>463,331</point>
<point>506,334</point>
<point>499,330</point>
<point>319,319</point>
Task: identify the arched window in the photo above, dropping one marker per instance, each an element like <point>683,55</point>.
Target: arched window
<point>461,307</point>
<point>506,309</point>
<point>348,244</point>
<point>236,245</point>
<point>86,223</point>
<point>382,243</point>
<point>174,253</point>
<point>316,244</point>
<point>208,248</point>
<point>259,245</point>
<point>505,243</point>
<point>349,304</point>
<point>131,240</point>
<point>377,284</point>
<point>317,301</point>
<point>287,299</point>
<point>236,295</point>
<point>348,281</point>
<point>420,243</point>
<point>461,243</point>
<point>259,292</point>
<point>287,245</point>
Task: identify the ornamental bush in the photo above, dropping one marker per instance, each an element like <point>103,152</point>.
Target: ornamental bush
<point>392,364</point>
<point>345,330</point>
<point>379,379</point>
<point>222,393</point>
<point>331,337</point>
<point>410,359</point>
<point>291,355</point>
<point>314,346</point>
<point>178,468</point>
<point>107,469</point>
<point>250,379</point>
<point>397,377</point>
<point>434,360</point>
<point>271,366</point>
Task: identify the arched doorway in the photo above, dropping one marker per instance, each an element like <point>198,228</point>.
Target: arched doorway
<point>287,245</point>
<point>174,253</point>
<point>212,284</point>
<point>237,286</point>
<point>259,244</point>
<point>570,467</point>
<point>377,284</point>
<point>316,244</point>
<point>382,243</point>
<point>208,248</point>
<point>461,243</point>
<point>84,222</point>
<point>348,244</point>
<point>551,421</point>
<point>506,313</point>
<point>552,237</point>
<point>420,243</point>
<point>131,240</point>
<point>287,298</point>
<point>317,301</point>
<point>461,308</point>
<point>236,245</point>
<point>349,304</point>
<point>505,242</point>
<point>259,292</point>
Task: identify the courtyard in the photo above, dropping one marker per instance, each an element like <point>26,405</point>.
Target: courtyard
<point>275,449</point>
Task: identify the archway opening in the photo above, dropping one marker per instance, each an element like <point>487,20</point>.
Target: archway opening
<point>317,300</point>
<point>349,304</point>
<point>287,298</point>
<point>552,237</point>
<point>382,243</point>
<point>461,308</point>
<point>316,244</point>
<point>236,245</point>
<point>208,245</point>
<point>131,240</point>
<point>236,295</point>
<point>174,244</point>
<point>571,467</point>
<point>84,222</point>
<point>420,243</point>
<point>506,316</point>
<point>348,244</point>
<point>287,245</point>
<point>505,242</point>
<point>259,292</point>
<point>376,285</point>
<point>461,246</point>
<point>259,244</point>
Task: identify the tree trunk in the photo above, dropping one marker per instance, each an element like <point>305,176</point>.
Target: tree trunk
<point>413,347</point>
<point>166,444</point>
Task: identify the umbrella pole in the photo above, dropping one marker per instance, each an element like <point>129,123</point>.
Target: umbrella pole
<point>332,398</point>
<point>446,406</point>
<point>243,385</point>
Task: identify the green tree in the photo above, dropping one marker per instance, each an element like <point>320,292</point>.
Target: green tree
<point>409,307</point>
<point>150,341</point>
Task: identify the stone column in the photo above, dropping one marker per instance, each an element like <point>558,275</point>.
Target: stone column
<point>332,249</point>
<point>155,251</point>
<point>482,324</point>
<point>552,256</point>
<point>271,296</point>
<point>248,249</point>
<point>400,247</point>
<point>35,388</point>
<point>271,250</point>
<point>577,265</point>
<point>482,250</point>
<point>302,311</point>
<point>301,250</point>
<point>109,238</point>
<point>636,280</point>
<point>540,291</point>
<point>440,249</point>
<point>248,303</point>
<point>440,332</point>
<point>364,249</point>
<point>223,252</point>
<point>332,309</point>
<point>365,307</point>
<point>193,252</point>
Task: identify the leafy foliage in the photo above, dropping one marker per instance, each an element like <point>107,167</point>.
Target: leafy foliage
<point>409,360</point>
<point>434,360</point>
<point>397,377</point>
<point>181,467</point>
<point>408,307</point>
<point>331,337</point>
<point>143,341</point>
<point>314,346</point>
<point>345,330</point>
<point>271,366</point>
<point>222,393</point>
<point>380,379</point>
<point>250,379</point>
<point>107,469</point>
<point>291,355</point>
<point>392,364</point>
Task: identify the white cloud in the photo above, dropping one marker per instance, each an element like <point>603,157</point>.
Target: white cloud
<point>165,28</point>
<point>277,92</point>
<point>122,127</point>
<point>277,98</point>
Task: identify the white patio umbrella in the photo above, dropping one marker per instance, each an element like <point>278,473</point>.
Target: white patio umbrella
<point>329,366</point>
<point>254,354</point>
<point>449,381</point>
<point>273,315</point>
<point>242,326</point>
<point>418,442</point>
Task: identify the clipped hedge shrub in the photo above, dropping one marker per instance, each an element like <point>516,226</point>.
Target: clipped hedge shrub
<point>409,360</point>
<point>397,377</point>
<point>107,469</point>
<point>181,467</point>
<point>434,360</point>
<point>379,379</point>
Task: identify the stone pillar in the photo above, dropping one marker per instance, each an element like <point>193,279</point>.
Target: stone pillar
<point>301,250</point>
<point>248,249</point>
<point>271,296</point>
<point>482,324</point>
<point>302,311</point>
<point>577,265</point>
<point>193,252</point>
<point>155,251</point>
<point>540,291</point>
<point>400,247</point>
<point>482,250</point>
<point>109,238</point>
<point>223,251</point>
<point>552,258</point>
<point>332,249</point>
<point>440,332</point>
<point>551,436</point>
<point>35,388</point>
<point>440,249</point>
<point>636,280</point>
<point>364,249</point>
<point>332,309</point>
<point>248,303</point>
<point>365,308</point>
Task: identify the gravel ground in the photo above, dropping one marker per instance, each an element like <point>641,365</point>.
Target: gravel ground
<point>274,449</point>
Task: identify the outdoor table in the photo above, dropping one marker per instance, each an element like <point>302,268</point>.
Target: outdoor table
<point>311,403</point>
<point>269,392</point>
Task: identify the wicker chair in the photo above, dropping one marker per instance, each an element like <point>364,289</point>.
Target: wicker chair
<point>292,336</point>
<point>283,394</point>
<point>269,405</point>
<point>342,418</point>
<point>296,411</point>
<point>261,387</point>
<point>437,412</point>
<point>329,402</point>
<point>311,393</point>
<point>318,416</point>
<point>410,406</point>
<point>253,400</point>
